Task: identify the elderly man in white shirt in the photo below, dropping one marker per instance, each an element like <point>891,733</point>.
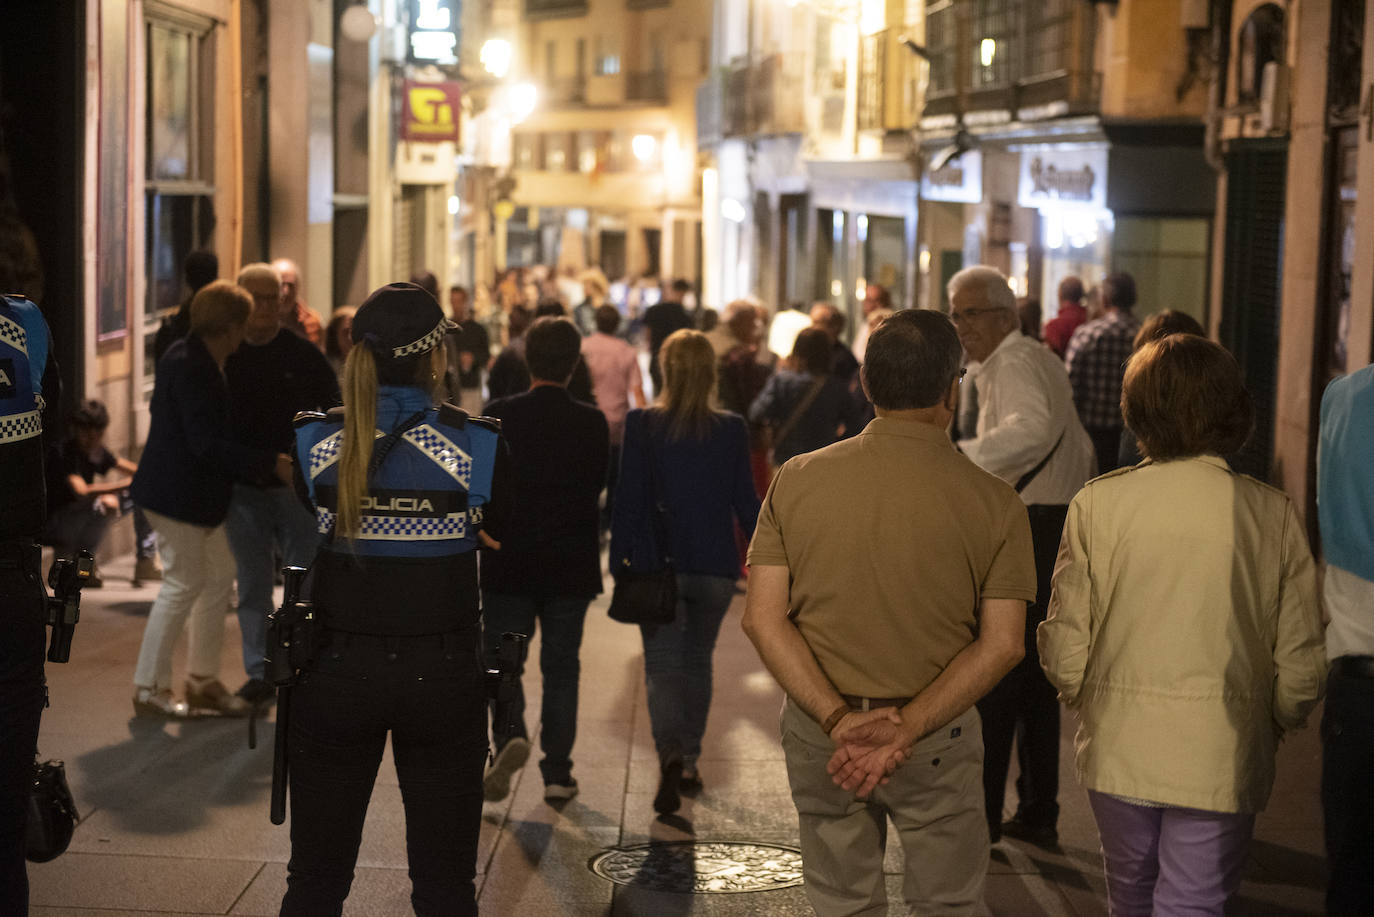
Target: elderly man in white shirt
<point>1028,434</point>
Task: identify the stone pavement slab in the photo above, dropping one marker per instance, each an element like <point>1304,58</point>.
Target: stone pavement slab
<point>175,814</point>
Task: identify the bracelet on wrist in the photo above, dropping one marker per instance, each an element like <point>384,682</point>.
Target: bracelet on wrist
<point>834,718</point>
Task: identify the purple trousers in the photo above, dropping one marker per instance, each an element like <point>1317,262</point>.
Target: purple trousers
<point>1170,862</point>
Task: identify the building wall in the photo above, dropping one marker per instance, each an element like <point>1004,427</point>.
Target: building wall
<point>1144,61</point>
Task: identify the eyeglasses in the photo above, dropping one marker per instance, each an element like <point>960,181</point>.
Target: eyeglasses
<point>964,316</point>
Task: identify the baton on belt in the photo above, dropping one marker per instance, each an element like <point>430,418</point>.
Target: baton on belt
<point>290,641</point>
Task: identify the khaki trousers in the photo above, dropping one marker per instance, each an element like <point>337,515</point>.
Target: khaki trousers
<point>935,800</point>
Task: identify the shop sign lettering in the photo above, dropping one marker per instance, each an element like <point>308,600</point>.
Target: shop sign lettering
<point>1070,176</point>
<point>430,111</point>
<point>960,181</point>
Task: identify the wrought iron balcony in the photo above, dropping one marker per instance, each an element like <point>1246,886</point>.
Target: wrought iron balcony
<point>1005,54</point>
<point>763,97</point>
<point>552,9</point>
<point>646,86</point>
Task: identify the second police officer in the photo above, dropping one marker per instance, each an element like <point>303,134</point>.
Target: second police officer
<point>404,493</point>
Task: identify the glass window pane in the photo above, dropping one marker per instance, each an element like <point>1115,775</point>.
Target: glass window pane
<point>169,103</point>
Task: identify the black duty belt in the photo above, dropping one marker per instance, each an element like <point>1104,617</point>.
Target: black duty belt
<point>1353,666</point>
<point>873,703</point>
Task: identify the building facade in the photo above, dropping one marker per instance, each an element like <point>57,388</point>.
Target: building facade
<point>584,156</point>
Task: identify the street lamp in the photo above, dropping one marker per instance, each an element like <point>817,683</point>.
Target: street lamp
<point>496,56</point>
<point>644,146</point>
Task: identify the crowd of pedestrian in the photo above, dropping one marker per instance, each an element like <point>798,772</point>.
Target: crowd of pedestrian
<point>956,526</point>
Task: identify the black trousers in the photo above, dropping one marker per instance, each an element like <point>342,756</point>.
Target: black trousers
<point>22,636</point>
<point>1024,705</point>
<point>1348,793</point>
<point>428,693</point>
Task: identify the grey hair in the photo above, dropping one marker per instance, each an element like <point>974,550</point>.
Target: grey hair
<point>991,281</point>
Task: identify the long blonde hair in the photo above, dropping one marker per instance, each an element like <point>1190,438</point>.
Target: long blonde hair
<point>689,376</point>
<point>360,424</point>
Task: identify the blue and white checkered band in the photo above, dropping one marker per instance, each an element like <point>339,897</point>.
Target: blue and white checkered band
<point>13,333</point>
<point>20,426</point>
<point>424,344</point>
<point>452,527</point>
<point>326,452</point>
<point>442,451</point>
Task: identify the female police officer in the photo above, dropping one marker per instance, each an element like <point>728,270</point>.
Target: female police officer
<point>402,491</point>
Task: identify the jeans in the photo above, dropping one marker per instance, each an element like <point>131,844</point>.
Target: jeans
<point>264,523</point>
<point>428,693</point>
<point>1169,862</point>
<point>77,526</point>
<point>197,583</point>
<point>560,618</point>
<point>1348,792</point>
<point>22,636</point>
<point>1024,706</point>
<point>677,665</point>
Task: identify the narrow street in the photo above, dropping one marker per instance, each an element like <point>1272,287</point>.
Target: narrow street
<point>175,814</point>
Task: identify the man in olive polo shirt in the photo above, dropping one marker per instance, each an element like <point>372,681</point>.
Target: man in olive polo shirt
<point>888,591</point>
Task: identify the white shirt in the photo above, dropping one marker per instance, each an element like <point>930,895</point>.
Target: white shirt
<point>1025,403</point>
<point>1349,601</point>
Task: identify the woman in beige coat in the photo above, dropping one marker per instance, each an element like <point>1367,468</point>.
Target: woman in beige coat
<point>1183,630</point>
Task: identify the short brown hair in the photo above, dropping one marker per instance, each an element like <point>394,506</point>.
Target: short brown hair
<point>1162,324</point>
<point>1184,395</point>
<point>219,306</point>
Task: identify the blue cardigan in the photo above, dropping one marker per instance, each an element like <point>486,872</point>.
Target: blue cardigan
<point>190,462</point>
<point>707,486</point>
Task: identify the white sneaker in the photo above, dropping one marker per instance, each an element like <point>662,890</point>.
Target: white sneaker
<point>560,792</point>
<point>509,760</point>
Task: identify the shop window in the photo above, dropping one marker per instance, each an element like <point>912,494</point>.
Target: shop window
<point>179,214</point>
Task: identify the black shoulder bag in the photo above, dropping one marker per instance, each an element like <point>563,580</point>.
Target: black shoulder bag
<point>648,596</point>
<point>52,813</point>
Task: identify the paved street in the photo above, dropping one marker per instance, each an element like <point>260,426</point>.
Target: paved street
<point>175,815</point>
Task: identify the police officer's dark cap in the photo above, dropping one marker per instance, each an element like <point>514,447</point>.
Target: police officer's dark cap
<point>400,320</point>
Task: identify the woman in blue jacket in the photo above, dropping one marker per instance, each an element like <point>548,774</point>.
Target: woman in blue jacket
<point>695,461</point>
<point>183,483</point>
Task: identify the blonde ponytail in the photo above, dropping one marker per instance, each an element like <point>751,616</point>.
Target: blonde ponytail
<point>360,422</point>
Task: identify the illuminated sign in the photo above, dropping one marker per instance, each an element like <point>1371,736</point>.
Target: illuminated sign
<point>429,112</point>
<point>1063,175</point>
<point>434,31</point>
<point>961,180</point>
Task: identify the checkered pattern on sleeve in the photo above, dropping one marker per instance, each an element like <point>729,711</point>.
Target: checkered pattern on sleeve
<point>13,333</point>
<point>424,344</point>
<point>439,449</point>
<point>1096,361</point>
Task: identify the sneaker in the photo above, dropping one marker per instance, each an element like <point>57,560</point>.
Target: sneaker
<point>256,691</point>
<point>149,702</point>
<point>560,792</point>
<point>213,697</point>
<point>508,761</point>
<point>668,799</point>
<point>146,570</point>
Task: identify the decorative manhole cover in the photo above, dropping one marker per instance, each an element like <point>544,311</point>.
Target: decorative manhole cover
<point>701,866</point>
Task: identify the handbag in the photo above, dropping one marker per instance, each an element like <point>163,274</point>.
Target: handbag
<point>648,596</point>
<point>52,813</point>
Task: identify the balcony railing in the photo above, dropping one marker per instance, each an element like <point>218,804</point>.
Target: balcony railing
<point>763,97</point>
<point>646,86</point>
<point>1004,54</point>
<point>551,9</point>
<point>569,90</point>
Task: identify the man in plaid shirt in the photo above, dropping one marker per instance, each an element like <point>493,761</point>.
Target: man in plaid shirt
<point>1096,360</point>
